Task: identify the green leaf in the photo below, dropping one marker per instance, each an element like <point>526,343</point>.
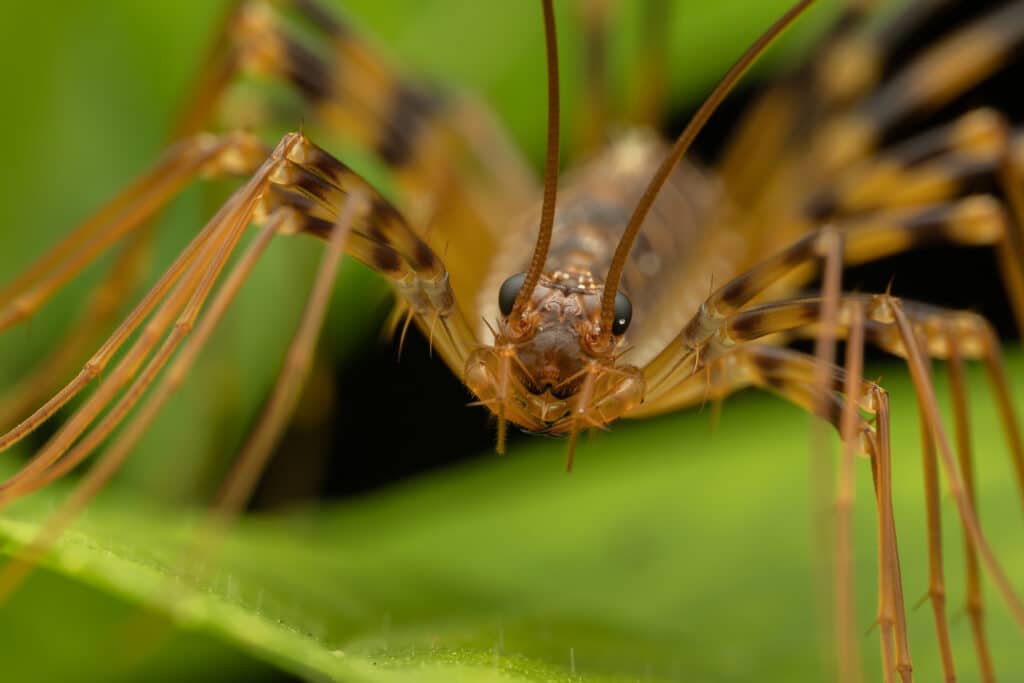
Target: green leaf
<point>673,552</point>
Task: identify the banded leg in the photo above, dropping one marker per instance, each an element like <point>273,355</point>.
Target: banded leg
<point>796,377</point>
<point>975,153</point>
<point>843,66</point>
<point>305,178</point>
<point>457,170</point>
<point>940,164</point>
<point>972,220</point>
<point>863,241</point>
<point>196,268</point>
<point>946,334</point>
<point>280,406</point>
<point>931,80</point>
<point>772,184</point>
<point>940,333</point>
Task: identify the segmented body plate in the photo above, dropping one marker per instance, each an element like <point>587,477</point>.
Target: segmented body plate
<point>684,247</point>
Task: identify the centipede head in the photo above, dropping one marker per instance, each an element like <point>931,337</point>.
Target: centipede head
<point>543,371</point>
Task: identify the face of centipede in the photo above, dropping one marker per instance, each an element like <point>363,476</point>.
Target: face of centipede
<point>640,282</point>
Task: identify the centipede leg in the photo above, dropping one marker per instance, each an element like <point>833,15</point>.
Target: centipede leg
<point>936,581</point>
<point>99,313</point>
<point>977,149</point>
<point>281,403</point>
<point>970,220</point>
<point>933,78</point>
<point>1011,252</point>
<point>19,568</point>
<point>847,646</point>
<point>891,611</point>
<point>822,470</point>
<point>961,423</point>
<point>926,333</point>
<point>124,213</point>
<point>198,268</point>
<point>797,378</point>
<point>926,396</point>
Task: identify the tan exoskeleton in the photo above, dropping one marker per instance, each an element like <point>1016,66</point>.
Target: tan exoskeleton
<point>607,313</point>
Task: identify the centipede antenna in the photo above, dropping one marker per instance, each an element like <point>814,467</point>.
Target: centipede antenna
<point>547,215</point>
<point>682,144</point>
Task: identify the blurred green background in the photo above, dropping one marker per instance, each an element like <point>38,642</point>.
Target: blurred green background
<point>675,552</point>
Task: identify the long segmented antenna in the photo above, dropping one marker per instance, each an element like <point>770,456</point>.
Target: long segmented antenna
<point>547,215</point>
<point>682,144</point>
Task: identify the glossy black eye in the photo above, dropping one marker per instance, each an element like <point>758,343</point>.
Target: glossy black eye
<point>509,291</point>
<point>623,314</point>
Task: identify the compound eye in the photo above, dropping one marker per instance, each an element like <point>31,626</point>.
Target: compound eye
<point>623,314</point>
<point>509,291</point>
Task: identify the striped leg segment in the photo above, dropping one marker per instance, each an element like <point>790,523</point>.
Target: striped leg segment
<point>946,334</point>
<point>977,153</point>
<point>457,171</point>
<point>846,63</point>
<point>936,77</point>
<point>849,118</point>
<point>938,165</point>
<point>312,185</point>
<point>298,189</point>
<point>181,290</point>
<point>972,220</point>
<point>764,176</point>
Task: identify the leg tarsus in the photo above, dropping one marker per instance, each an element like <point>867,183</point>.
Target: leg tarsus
<point>847,645</point>
<point>975,604</point>
<point>926,396</point>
